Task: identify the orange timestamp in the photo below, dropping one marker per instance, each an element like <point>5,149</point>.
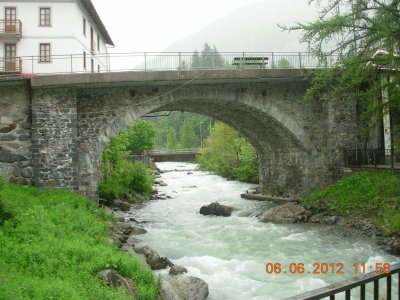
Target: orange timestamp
<point>333,268</point>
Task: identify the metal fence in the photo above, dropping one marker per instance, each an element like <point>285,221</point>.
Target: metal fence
<point>160,61</point>
<point>372,158</point>
<point>173,151</point>
<point>391,290</point>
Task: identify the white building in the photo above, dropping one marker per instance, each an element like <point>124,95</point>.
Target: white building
<point>52,36</point>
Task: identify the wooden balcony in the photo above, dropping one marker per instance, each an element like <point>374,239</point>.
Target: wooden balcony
<point>10,31</point>
<point>10,65</point>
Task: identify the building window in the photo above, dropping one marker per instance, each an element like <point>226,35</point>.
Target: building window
<point>10,19</point>
<point>98,43</point>
<point>10,62</point>
<point>92,47</point>
<point>84,60</point>
<point>45,16</point>
<point>45,53</point>
<point>84,26</point>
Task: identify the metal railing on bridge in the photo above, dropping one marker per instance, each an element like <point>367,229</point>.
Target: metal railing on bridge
<point>92,62</point>
<point>377,158</point>
<point>391,290</point>
<point>172,151</point>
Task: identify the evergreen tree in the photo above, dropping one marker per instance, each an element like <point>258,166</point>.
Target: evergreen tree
<point>171,139</point>
<point>187,137</point>
<point>196,60</point>
<point>364,37</point>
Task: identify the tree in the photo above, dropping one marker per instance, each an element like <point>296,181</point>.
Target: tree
<point>140,136</point>
<point>196,60</point>
<point>188,137</point>
<point>171,139</point>
<point>209,58</point>
<point>228,154</point>
<point>283,63</point>
<point>355,32</point>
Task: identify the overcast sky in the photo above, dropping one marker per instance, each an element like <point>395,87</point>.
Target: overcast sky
<point>152,25</point>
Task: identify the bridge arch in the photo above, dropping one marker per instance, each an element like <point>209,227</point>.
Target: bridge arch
<point>291,139</point>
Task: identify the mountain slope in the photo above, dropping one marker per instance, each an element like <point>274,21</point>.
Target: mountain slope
<point>253,28</point>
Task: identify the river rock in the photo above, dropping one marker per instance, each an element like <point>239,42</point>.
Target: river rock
<point>184,288</point>
<point>136,230</point>
<point>115,280</point>
<point>332,220</point>
<point>216,209</point>
<point>122,205</point>
<point>176,270</point>
<point>153,259</point>
<point>395,248</point>
<point>286,213</point>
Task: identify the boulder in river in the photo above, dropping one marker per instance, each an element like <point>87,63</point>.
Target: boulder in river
<point>216,209</point>
<point>184,288</point>
<point>395,248</point>
<point>136,230</point>
<point>175,270</point>
<point>153,259</point>
<point>286,213</point>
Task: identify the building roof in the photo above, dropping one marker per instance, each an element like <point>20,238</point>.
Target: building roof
<point>88,5</point>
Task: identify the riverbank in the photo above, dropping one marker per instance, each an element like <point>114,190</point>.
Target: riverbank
<point>365,204</point>
<point>367,201</point>
<point>54,245</point>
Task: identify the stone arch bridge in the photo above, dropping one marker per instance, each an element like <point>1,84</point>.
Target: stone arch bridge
<point>54,128</point>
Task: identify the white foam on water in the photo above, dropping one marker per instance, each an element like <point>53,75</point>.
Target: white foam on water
<point>230,253</point>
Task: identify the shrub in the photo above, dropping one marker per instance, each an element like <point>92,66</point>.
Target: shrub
<point>126,178</point>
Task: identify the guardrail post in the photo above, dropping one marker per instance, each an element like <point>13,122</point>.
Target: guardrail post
<point>392,156</point>
<point>374,151</point>
<point>180,61</point>
<point>243,61</point>
<point>299,59</point>
<point>32,64</point>
<point>272,60</point>
<point>145,62</point>
<point>72,68</point>
<point>212,61</point>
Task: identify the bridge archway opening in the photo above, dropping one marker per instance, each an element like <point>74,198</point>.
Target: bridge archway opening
<point>280,151</point>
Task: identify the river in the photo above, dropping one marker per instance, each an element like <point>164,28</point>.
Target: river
<point>231,253</point>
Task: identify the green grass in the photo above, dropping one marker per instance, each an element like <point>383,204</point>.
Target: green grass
<point>373,194</point>
<point>53,243</point>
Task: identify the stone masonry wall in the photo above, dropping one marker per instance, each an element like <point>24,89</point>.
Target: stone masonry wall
<point>54,138</point>
<point>15,131</point>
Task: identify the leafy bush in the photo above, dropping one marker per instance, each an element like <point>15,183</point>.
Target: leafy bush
<point>121,178</point>
<point>367,194</point>
<point>228,154</point>
<point>55,245</point>
<point>126,178</point>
